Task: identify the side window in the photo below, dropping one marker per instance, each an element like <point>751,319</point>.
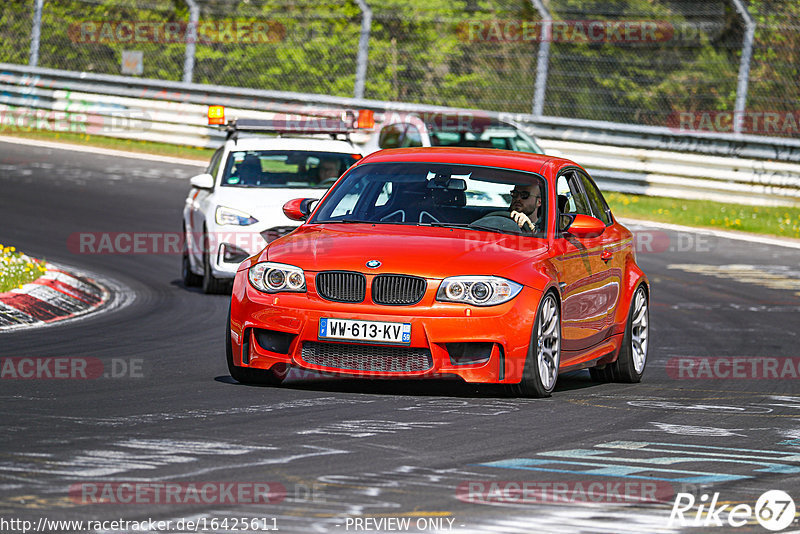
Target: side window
<point>570,197</point>
<point>391,136</point>
<point>596,200</point>
<point>412,137</point>
<point>213,167</point>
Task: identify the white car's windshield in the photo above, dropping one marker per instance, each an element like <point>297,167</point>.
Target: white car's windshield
<point>285,168</point>
<point>504,139</point>
<point>434,194</point>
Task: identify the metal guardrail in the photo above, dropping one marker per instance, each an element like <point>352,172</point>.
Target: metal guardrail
<point>646,160</point>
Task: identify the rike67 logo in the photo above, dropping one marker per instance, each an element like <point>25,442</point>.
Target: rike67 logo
<point>774,510</point>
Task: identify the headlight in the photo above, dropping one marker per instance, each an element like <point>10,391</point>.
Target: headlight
<point>275,277</point>
<point>477,290</point>
<point>231,216</point>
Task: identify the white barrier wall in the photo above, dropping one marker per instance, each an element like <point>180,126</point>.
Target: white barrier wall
<point>176,114</point>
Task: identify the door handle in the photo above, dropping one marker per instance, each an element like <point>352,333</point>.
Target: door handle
<point>606,254</point>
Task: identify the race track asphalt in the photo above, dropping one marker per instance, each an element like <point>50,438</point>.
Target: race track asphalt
<point>379,452</point>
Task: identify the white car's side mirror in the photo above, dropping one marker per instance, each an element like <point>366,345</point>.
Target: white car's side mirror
<point>203,181</point>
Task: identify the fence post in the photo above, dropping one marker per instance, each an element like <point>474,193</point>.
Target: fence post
<point>543,57</point>
<point>191,39</point>
<point>744,66</point>
<point>363,48</point>
<point>36,33</point>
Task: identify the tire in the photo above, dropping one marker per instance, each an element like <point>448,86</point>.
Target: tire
<point>211,284</point>
<point>632,358</point>
<point>245,375</point>
<point>189,278</point>
<point>540,372</point>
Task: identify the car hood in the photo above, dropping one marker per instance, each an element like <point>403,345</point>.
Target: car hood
<point>424,251</point>
<point>265,204</point>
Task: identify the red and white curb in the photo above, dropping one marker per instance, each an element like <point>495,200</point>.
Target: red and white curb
<point>57,295</point>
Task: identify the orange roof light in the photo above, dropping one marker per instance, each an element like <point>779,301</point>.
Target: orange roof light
<point>216,115</point>
<point>366,119</point>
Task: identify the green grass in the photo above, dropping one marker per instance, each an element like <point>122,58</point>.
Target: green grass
<point>17,269</point>
<point>131,145</point>
<point>779,221</point>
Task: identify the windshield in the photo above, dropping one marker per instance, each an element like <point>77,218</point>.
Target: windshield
<point>437,194</point>
<point>285,168</point>
<point>502,138</point>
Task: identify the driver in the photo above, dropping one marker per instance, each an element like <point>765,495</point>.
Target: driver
<point>526,203</point>
<point>328,169</point>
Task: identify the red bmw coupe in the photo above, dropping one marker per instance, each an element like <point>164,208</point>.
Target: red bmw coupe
<point>490,265</point>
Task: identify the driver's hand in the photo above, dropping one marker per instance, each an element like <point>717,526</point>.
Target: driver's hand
<point>521,219</point>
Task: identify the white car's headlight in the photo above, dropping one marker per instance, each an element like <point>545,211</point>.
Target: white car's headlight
<point>275,277</point>
<point>231,216</point>
<point>477,290</point>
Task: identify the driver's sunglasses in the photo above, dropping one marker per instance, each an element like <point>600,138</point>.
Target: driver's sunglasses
<point>524,195</point>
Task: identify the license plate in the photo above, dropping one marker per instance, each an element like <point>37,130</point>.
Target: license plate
<point>369,331</point>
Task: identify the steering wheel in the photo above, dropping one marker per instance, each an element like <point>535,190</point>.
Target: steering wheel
<point>506,216</point>
<point>329,182</point>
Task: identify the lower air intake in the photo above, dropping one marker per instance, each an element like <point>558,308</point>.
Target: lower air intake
<point>349,357</point>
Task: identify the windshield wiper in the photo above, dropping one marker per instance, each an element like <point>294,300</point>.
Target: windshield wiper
<point>444,225</point>
<point>347,221</point>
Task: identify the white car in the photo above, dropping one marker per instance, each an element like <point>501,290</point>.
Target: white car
<point>403,130</point>
<point>235,208</point>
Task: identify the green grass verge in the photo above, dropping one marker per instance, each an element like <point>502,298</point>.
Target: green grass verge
<point>17,269</point>
<point>782,222</point>
<point>131,145</point>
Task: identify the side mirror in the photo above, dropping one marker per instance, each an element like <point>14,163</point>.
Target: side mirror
<point>584,226</point>
<point>298,209</point>
<point>202,181</point>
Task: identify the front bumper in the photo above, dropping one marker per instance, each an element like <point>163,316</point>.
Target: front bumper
<point>477,344</point>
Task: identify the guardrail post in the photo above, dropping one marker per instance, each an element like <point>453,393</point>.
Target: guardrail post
<point>543,57</point>
<point>363,48</point>
<point>744,66</point>
<point>191,39</point>
<point>36,33</point>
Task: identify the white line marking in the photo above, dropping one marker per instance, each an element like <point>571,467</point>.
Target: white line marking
<point>101,151</point>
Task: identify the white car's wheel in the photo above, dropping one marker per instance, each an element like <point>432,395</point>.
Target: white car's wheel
<point>189,278</point>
